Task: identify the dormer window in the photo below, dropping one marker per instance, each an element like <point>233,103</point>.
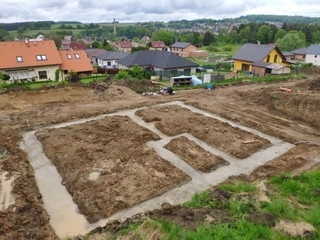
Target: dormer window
<point>69,56</point>
<point>41,57</point>
<point>19,59</point>
<point>77,56</point>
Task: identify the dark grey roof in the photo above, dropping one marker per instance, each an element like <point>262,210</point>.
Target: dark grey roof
<point>253,52</point>
<point>180,45</point>
<point>299,51</point>
<point>112,55</point>
<point>91,50</point>
<point>159,59</point>
<point>287,53</point>
<point>313,49</point>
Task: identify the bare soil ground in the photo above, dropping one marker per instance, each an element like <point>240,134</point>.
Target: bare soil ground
<point>119,144</point>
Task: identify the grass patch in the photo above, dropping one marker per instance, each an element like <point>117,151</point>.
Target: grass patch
<point>239,187</point>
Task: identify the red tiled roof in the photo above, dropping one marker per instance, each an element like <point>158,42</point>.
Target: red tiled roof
<point>78,45</point>
<point>37,53</point>
<point>75,60</point>
<point>123,44</point>
<point>158,44</point>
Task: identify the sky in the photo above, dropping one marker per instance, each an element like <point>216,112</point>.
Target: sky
<point>96,11</point>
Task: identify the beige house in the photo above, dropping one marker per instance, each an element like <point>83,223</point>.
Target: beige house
<point>186,50</point>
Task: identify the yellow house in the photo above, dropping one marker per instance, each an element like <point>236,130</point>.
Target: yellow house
<point>260,59</point>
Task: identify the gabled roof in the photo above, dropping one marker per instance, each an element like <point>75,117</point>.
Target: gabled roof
<point>125,44</point>
<point>180,45</point>
<point>22,54</point>
<point>75,60</point>
<point>158,44</point>
<point>254,52</point>
<point>78,45</point>
<point>112,55</point>
<point>145,38</point>
<point>159,59</point>
<point>94,52</point>
<point>301,51</point>
<point>313,49</point>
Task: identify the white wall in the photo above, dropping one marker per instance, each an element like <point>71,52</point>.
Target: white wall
<point>313,58</point>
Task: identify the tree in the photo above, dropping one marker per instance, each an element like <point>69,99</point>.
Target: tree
<point>279,34</point>
<point>244,35</point>
<point>163,35</point>
<point>57,40</point>
<point>292,40</point>
<point>95,44</point>
<point>264,34</point>
<point>208,38</point>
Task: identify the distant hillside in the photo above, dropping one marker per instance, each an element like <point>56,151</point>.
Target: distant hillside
<point>277,18</point>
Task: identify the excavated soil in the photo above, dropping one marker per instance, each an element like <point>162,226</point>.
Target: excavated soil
<point>131,172</point>
<point>195,155</point>
<point>109,152</point>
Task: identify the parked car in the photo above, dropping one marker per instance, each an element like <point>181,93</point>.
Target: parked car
<point>199,69</point>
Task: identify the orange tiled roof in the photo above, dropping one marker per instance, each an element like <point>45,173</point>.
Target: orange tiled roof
<point>32,54</point>
<point>75,60</point>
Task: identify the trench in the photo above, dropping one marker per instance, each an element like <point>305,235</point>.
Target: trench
<point>65,217</point>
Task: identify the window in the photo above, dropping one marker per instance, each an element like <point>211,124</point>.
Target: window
<point>19,59</point>
<point>315,56</point>
<point>69,56</point>
<point>42,75</point>
<point>275,58</point>
<point>268,58</point>
<point>41,57</point>
<point>109,63</point>
<point>77,56</point>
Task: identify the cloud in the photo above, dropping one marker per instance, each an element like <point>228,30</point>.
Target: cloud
<point>145,10</point>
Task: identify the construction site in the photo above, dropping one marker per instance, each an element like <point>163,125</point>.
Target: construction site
<point>74,158</point>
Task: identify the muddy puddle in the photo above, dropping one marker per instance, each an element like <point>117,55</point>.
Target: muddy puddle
<point>65,216</point>
<point>6,198</point>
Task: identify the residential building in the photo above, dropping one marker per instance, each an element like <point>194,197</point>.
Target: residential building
<point>110,59</point>
<point>313,54</point>
<point>74,61</point>
<point>25,60</point>
<point>158,45</point>
<point>125,46</point>
<point>299,54</point>
<point>260,59</point>
<point>186,50</point>
<point>93,54</point>
<point>157,61</point>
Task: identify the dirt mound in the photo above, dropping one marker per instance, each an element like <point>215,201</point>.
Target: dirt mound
<point>298,105</point>
<point>139,86</point>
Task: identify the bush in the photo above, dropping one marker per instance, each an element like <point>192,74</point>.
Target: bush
<point>122,74</point>
<point>5,77</point>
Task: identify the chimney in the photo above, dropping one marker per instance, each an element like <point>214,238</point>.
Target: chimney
<point>114,26</point>
<point>26,40</point>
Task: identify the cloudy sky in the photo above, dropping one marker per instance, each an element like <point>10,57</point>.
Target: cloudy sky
<point>90,11</point>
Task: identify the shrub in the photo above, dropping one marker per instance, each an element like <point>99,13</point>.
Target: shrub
<point>122,74</point>
<point>5,77</point>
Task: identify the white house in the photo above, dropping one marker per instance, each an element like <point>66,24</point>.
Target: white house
<point>313,54</point>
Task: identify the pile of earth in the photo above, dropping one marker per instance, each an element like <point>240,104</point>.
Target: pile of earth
<point>137,85</point>
<point>302,104</point>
